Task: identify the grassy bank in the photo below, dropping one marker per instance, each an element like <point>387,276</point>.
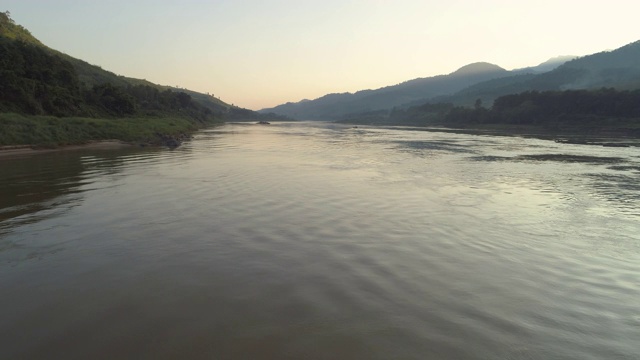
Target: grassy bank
<point>49,131</point>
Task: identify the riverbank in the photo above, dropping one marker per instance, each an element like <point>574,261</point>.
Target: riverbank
<point>21,150</point>
<point>602,136</point>
<point>19,132</point>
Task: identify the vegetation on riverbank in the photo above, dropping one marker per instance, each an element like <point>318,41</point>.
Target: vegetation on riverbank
<point>50,98</point>
<point>556,108</point>
<point>50,131</point>
<point>580,112</point>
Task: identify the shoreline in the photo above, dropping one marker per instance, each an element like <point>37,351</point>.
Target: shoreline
<point>23,150</point>
<point>607,137</point>
<point>604,137</point>
<point>567,137</point>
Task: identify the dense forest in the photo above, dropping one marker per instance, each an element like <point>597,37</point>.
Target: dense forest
<point>555,109</point>
<point>573,110</point>
<point>47,97</point>
<point>34,81</point>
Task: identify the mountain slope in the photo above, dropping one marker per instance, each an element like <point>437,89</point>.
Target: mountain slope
<point>10,30</point>
<point>546,66</point>
<point>86,75</point>
<point>90,75</point>
<point>619,69</point>
<point>335,106</point>
<point>50,98</point>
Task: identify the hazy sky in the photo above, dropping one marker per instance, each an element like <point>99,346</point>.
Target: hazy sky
<point>260,53</point>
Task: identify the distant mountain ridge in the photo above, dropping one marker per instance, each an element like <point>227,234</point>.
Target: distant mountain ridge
<point>545,66</point>
<point>334,106</point>
<point>619,69</point>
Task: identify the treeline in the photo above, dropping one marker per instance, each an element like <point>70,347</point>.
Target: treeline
<point>34,81</point>
<point>423,114</point>
<point>548,109</point>
<point>11,30</point>
<point>604,107</point>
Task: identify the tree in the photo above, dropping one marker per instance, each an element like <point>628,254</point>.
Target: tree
<point>6,17</point>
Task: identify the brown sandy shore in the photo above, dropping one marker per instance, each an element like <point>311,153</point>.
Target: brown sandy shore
<point>22,150</point>
<point>599,137</point>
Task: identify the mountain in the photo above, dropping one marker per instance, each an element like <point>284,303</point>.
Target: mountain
<point>50,98</point>
<point>619,69</point>
<point>546,66</point>
<point>336,106</point>
<point>592,95</point>
<point>19,44</point>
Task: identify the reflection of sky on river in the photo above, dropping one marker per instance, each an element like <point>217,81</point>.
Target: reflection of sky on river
<point>294,235</point>
<point>42,187</point>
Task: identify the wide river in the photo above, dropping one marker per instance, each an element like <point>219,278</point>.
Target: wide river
<point>322,241</point>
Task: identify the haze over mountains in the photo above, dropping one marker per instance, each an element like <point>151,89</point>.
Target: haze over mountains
<point>333,106</point>
<point>618,69</point>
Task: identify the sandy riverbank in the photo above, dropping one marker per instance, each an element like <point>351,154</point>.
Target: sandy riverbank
<point>22,150</point>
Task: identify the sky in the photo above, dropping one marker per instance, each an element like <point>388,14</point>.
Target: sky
<point>261,53</point>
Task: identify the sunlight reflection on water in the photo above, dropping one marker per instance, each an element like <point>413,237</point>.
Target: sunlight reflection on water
<point>317,240</point>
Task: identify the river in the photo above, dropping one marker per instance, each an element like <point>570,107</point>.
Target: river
<point>322,241</point>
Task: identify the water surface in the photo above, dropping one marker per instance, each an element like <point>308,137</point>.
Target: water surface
<point>322,241</point>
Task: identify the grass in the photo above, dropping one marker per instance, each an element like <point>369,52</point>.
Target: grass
<point>51,131</point>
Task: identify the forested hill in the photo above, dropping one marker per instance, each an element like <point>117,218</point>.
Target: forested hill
<point>37,80</point>
<point>619,69</point>
<point>10,30</point>
<point>50,98</point>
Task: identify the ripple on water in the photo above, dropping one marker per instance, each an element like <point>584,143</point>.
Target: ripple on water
<point>319,240</point>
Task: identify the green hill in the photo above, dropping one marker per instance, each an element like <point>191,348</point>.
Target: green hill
<point>50,97</point>
<point>10,30</point>
<point>88,75</point>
